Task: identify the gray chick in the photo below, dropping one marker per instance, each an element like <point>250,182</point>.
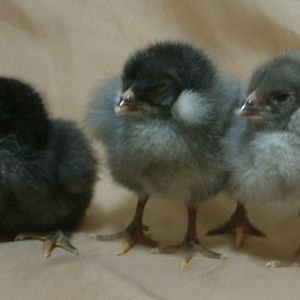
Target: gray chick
<point>162,125</point>
<point>263,146</point>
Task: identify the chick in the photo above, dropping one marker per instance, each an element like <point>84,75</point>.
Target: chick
<point>162,123</point>
<point>47,170</point>
<point>263,146</point>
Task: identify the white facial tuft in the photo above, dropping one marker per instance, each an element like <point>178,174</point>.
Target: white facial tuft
<point>191,107</point>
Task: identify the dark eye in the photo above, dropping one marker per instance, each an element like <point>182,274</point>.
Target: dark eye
<point>157,89</point>
<point>281,98</point>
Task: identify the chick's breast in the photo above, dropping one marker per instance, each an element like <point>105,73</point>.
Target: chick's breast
<point>268,167</point>
<point>159,156</point>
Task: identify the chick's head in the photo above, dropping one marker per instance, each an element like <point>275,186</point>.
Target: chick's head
<point>22,112</point>
<point>274,91</point>
<point>154,77</point>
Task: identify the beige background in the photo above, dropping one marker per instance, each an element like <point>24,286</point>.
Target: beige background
<point>66,48</point>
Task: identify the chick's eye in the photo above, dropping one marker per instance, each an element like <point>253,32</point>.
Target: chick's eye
<point>155,90</point>
<point>281,98</point>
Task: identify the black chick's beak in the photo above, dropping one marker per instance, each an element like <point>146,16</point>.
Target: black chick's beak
<point>127,102</point>
<point>250,107</point>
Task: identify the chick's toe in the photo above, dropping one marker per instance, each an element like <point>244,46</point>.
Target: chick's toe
<point>239,225</point>
<point>191,244</point>
<point>57,239</point>
<point>134,232</point>
<point>191,248</point>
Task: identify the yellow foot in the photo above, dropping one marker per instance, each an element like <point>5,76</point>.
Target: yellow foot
<point>133,234</point>
<point>191,248</point>
<point>57,239</point>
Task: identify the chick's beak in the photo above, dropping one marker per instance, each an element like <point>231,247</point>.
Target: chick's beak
<point>126,103</point>
<point>250,107</point>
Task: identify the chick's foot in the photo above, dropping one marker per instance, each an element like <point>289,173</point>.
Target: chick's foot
<point>191,245</point>
<point>191,249</point>
<point>239,225</point>
<point>134,234</point>
<point>57,239</point>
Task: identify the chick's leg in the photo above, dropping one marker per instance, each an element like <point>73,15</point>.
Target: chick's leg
<point>57,239</point>
<point>239,225</point>
<point>191,244</point>
<point>134,233</point>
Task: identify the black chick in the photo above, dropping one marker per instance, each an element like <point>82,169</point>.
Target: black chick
<point>47,170</point>
<point>263,146</point>
<point>162,124</point>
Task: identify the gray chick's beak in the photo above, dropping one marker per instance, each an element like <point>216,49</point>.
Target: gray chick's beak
<point>127,102</point>
<point>250,107</point>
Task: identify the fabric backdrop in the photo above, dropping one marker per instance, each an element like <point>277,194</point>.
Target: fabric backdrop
<point>68,47</point>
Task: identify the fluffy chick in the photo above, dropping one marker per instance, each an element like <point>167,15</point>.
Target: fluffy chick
<point>263,146</point>
<point>47,170</point>
<point>162,123</point>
